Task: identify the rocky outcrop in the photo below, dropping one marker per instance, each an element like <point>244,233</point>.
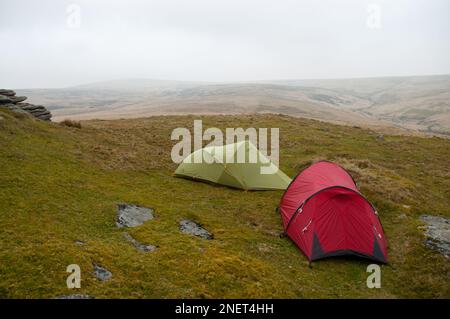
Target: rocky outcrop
<point>8,99</point>
<point>6,92</point>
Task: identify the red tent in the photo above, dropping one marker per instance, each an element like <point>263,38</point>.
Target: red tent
<point>325,215</point>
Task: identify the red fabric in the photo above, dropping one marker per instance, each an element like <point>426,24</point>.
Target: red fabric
<point>334,212</point>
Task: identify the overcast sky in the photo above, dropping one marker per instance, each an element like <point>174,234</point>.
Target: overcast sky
<point>57,43</point>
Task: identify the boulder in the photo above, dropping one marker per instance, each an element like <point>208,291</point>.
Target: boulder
<point>191,227</point>
<point>44,117</point>
<point>7,92</point>
<point>5,99</point>
<point>28,106</point>
<point>15,108</point>
<point>132,215</point>
<point>39,112</point>
<point>17,99</point>
<point>437,231</point>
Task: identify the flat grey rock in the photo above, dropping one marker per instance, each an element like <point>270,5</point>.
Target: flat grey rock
<point>191,227</point>
<point>39,110</point>
<point>139,246</point>
<point>7,92</point>
<point>132,215</point>
<point>101,273</point>
<point>17,99</point>
<point>29,107</point>
<point>44,117</point>
<point>76,296</point>
<point>5,99</point>
<point>438,233</point>
<point>15,108</point>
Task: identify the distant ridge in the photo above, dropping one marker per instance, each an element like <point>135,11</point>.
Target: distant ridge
<point>413,102</point>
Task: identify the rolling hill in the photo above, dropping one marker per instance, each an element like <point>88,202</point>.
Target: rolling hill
<point>419,103</point>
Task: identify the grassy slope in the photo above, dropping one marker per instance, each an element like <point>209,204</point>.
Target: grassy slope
<point>60,184</point>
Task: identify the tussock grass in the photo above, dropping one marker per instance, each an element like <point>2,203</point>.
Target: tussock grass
<point>71,123</point>
<point>59,185</point>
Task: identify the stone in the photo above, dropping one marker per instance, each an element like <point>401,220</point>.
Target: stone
<point>29,107</point>
<point>17,99</point>
<point>5,99</point>
<point>79,243</point>
<point>15,103</point>
<point>191,227</point>
<point>380,137</point>
<point>39,112</point>
<point>7,92</point>
<point>437,231</point>
<point>132,215</point>
<point>15,108</point>
<point>139,246</point>
<point>43,115</point>
<point>101,273</point>
<point>76,296</point>
<point>34,108</point>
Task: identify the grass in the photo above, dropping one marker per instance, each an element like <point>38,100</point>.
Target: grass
<point>60,184</point>
<point>71,123</point>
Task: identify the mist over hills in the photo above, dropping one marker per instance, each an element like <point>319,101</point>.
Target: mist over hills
<point>414,102</point>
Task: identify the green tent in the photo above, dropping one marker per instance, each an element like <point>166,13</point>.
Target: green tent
<point>225,165</point>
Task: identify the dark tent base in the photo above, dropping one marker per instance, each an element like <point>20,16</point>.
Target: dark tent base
<point>318,253</point>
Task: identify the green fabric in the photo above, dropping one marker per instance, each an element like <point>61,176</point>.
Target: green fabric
<point>239,175</point>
